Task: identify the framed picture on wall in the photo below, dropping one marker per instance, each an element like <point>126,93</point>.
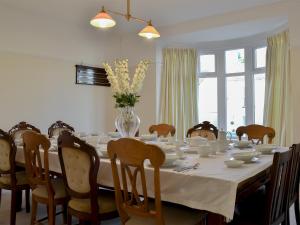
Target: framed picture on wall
<point>91,76</point>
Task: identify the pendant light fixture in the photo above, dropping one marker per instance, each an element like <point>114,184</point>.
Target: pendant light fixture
<point>104,20</point>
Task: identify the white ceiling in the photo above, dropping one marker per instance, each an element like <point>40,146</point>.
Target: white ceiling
<point>163,13</point>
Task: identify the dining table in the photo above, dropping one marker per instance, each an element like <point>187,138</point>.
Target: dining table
<point>207,183</point>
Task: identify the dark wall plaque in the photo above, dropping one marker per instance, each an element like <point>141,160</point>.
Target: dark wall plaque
<point>91,76</point>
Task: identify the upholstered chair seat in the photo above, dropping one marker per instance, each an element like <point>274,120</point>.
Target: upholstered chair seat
<point>106,204</point>
<point>21,179</point>
<point>58,187</point>
<point>173,215</point>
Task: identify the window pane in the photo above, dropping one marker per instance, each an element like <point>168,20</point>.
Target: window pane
<point>207,63</point>
<point>260,57</point>
<point>235,100</point>
<point>259,97</point>
<point>235,61</point>
<point>208,100</point>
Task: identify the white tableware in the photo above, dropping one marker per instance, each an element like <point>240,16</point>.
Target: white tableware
<point>245,156</point>
<point>243,144</point>
<point>234,163</point>
<point>114,134</point>
<point>149,137</point>
<point>103,139</point>
<point>265,149</point>
<point>163,139</point>
<point>168,148</point>
<point>196,141</point>
<point>102,149</point>
<point>204,150</point>
<point>191,150</point>
<point>170,160</point>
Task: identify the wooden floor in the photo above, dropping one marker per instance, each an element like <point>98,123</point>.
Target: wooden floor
<point>23,218</point>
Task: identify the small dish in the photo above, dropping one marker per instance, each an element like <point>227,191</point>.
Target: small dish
<point>234,163</point>
<point>243,144</point>
<point>266,149</point>
<point>246,156</point>
<point>148,137</point>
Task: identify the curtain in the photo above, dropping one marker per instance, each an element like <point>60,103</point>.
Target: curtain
<point>278,113</point>
<point>178,103</point>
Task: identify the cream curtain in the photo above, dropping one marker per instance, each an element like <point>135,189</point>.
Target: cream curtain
<point>178,103</point>
<point>278,113</point>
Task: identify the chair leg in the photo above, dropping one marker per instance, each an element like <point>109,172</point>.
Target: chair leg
<point>69,219</point>
<point>51,213</point>
<point>27,194</point>
<point>65,213</point>
<point>297,212</point>
<point>33,211</point>
<point>13,206</point>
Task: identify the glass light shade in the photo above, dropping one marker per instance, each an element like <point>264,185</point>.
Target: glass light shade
<point>149,32</point>
<point>103,20</point>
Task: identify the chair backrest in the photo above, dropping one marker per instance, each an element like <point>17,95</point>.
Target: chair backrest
<point>131,154</point>
<point>16,131</point>
<point>256,132</point>
<point>7,156</point>
<point>293,192</point>
<point>80,164</point>
<point>278,189</point>
<point>204,129</point>
<point>58,127</point>
<point>37,167</point>
<point>162,129</point>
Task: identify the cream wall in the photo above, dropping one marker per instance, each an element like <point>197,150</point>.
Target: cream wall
<point>37,61</point>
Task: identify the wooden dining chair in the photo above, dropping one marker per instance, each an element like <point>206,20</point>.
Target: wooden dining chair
<point>162,129</point>
<point>56,128</point>
<point>10,179</point>
<point>256,132</point>
<point>204,129</point>
<point>45,190</point>
<point>80,165</point>
<point>276,202</point>
<point>136,208</point>
<point>293,193</point>
<point>16,131</point>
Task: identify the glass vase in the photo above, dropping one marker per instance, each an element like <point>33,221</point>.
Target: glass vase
<point>127,122</point>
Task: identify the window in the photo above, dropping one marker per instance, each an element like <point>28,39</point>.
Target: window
<point>231,88</point>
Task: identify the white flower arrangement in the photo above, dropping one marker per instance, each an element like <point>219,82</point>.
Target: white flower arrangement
<point>126,92</point>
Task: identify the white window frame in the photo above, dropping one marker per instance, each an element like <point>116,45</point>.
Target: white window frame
<point>220,74</point>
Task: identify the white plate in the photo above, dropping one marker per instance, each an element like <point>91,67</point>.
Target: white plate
<point>191,150</point>
<point>234,163</point>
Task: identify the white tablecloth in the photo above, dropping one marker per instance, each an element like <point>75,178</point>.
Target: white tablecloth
<point>211,187</point>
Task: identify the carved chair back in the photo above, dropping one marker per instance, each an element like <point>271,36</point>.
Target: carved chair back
<point>80,164</point>
<point>129,156</point>
<point>293,193</point>
<point>56,128</point>
<point>37,164</point>
<point>204,129</point>
<point>7,157</point>
<point>278,189</point>
<point>162,129</point>
<point>16,131</point>
<point>256,132</point>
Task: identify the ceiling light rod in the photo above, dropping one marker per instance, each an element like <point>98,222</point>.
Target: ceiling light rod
<point>128,15</point>
<point>104,20</point>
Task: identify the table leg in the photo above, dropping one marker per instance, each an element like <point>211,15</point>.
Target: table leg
<point>215,219</point>
<point>19,201</point>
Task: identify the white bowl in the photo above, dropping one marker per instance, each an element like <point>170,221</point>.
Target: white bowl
<point>114,134</point>
<point>234,163</point>
<point>243,144</point>
<point>196,141</point>
<point>244,156</point>
<point>163,139</point>
<point>168,148</point>
<point>148,137</point>
<point>170,159</point>
<point>204,151</point>
<point>265,148</point>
